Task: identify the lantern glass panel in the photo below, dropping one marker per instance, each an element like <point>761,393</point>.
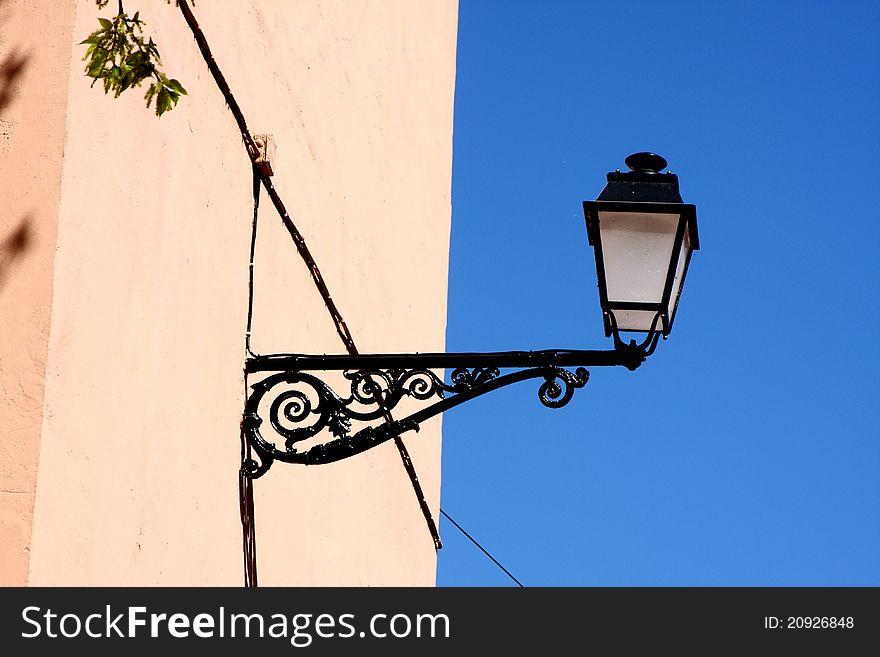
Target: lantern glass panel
<point>679,273</point>
<point>636,250</point>
<point>636,320</point>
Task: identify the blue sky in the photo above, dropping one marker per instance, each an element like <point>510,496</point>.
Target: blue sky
<point>746,451</point>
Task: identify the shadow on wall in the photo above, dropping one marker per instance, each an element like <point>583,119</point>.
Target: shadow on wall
<point>12,67</point>
<point>13,247</point>
<point>14,243</point>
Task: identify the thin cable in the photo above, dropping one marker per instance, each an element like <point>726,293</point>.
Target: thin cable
<point>299,242</point>
<point>253,153</point>
<point>474,541</point>
<point>250,313</point>
<point>248,522</point>
<point>245,483</point>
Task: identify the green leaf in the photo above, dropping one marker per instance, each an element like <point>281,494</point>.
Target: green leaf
<point>163,102</point>
<point>176,86</point>
<point>97,64</point>
<point>151,92</point>
<point>106,24</point>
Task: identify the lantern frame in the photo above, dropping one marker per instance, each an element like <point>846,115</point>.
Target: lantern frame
<point>643,191</point>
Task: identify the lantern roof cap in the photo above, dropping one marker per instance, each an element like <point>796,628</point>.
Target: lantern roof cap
<point>644,182</point>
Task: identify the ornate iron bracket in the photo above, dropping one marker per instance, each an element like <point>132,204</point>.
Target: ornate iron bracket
<point>299,406</point>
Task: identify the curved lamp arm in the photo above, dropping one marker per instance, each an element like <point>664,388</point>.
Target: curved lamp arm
<point>299,405</point>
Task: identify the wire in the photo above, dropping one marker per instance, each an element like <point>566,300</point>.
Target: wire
<point>245,483</point>
<point>474,541</point>
<point>250,313</point>
<point>301,247</point>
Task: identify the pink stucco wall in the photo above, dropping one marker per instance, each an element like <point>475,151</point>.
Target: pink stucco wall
<point>34,67</point>
<point>134,447</point>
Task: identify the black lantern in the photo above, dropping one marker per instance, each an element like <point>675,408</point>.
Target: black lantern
<point>643,236</point>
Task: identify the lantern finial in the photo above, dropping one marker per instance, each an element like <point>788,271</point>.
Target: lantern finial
<point>646,162</point>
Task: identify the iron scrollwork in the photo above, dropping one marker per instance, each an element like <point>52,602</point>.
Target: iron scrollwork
<point>300,406</point>
<point>555,395</point>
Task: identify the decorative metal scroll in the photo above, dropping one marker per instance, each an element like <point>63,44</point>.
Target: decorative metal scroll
<point>299,406</point>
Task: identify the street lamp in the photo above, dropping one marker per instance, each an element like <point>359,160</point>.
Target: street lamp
<point>643,236</point>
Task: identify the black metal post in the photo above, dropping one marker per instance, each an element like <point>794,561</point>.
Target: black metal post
<point>629,356</point>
